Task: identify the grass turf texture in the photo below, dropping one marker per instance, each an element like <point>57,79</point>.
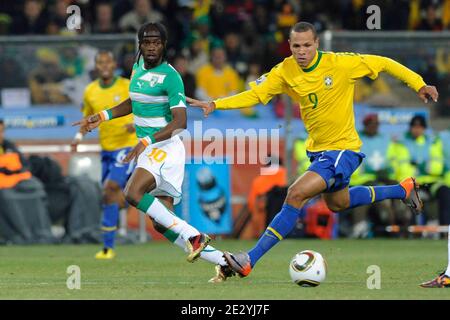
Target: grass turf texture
<point>158,270</point>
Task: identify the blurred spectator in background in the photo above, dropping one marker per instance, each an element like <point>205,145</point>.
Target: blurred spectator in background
<point>128,60</point>
<point>229,15</point>
<point>5,24</point>
<point>353,13</point>
<point>127,57</point>
<point>286,17</point>
<point>23,207</point>
<point>270,56</point>
<point>424,157</point>
<point>58,17</point>
<point>12,75</point>
<point>12,162</point>
<point>262,20</point>
<point>142,12</point>
<point>414,14</point>
<point>235,56</point>
<point>300,156</point>
<point>446,14</point>
<point>32,20</point>
<point>202,33</point>
<point>173,17</point>
<point>277,176</point>
<point>377,169</point>
<point>45,79</point>
<point>377,92</point>
<point>431,22</point>
<point>254,72</point>
<point>181,65</point>
<point>200,7</point>
<point>395,14</point>
<point>194,52</point>
<point>70,61</point>
<point>104,19</point>
<point>217,79</point>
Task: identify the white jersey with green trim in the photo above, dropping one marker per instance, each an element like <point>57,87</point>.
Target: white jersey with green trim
<point>153,93</point>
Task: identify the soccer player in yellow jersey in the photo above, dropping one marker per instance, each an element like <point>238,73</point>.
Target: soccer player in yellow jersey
<point>117,138</point>
<point>323,84</point>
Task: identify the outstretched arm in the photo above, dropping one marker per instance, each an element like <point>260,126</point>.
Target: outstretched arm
<point>262,91</point>
<point>91,122</point>
<point>372,65</point>
<point>241,100</point>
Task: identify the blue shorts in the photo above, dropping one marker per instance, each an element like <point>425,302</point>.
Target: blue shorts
<point>113,168</point>
<point>335,166</point>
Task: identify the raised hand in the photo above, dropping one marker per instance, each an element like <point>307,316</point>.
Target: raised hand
<point>207,107</point>
<point>427,92</point>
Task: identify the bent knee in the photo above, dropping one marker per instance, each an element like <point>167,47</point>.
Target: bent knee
<point>296,197</point>
<point>111,194</point>
<point>133,197</point>
<point>338,206</point>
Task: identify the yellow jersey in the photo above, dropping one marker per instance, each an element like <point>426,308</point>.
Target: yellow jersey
<point>113,134</point>
<point>324,91</point>
<point>217,84</point>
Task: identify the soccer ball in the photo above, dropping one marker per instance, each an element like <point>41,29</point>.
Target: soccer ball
<point>308,268</point>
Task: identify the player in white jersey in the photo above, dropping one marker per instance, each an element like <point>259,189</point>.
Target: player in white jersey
<point>158,103</point>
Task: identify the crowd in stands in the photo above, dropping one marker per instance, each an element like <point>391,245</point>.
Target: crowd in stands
<point>213,41</point>
<point>264,17</point>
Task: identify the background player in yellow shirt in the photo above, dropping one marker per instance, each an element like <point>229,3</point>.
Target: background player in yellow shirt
<point>117,138</point>
<point>323,84</point>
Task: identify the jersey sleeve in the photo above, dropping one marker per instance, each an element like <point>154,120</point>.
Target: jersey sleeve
<point>261,91</point>
<point>268,85</point>
<point>371,65</point>
<point>175,91</point>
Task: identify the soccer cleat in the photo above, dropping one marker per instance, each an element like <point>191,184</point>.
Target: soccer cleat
<point>412,199</point>
<point>239,263</point>
<point>195,245</point>
<point>222,273</point>
<point>105,254</point>
<point>441,281</point>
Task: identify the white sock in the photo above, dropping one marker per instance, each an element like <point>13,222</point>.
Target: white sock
<point>167,219</point>
<point>209,254</point>
<point>447,272</point>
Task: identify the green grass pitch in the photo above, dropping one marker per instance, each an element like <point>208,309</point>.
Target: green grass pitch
<point>158,270</point>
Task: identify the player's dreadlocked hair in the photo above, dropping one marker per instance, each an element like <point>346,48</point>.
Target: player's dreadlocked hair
<point>152,26</point>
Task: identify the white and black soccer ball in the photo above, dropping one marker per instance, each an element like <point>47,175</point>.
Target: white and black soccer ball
<point>308,268</point>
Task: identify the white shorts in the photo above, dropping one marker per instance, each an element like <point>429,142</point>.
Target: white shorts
<point>165,160</point>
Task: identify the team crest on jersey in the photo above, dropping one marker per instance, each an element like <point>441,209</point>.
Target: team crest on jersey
<point>153,78</point>
<point>261,79</point>
<point>328,81</point>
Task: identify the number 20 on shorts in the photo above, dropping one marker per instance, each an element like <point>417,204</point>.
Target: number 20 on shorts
<point>158,155</point>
